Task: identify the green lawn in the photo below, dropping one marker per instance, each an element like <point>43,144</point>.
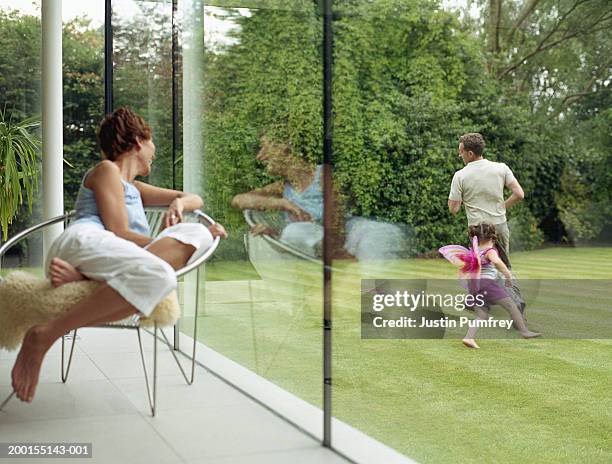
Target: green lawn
<point>545,400</point>
<point>514,400</point>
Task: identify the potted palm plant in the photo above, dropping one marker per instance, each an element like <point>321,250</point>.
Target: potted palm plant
<point>18,166</point>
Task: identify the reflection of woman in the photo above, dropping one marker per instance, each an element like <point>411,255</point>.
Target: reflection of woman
<point>298,175</point>
<point>300,196</point>
<point>108,241</point>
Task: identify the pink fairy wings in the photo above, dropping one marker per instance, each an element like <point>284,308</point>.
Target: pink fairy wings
<point>456,254</point>
<point>467,260</point>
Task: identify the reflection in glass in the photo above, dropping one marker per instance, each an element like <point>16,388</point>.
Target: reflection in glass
<point>142,75</point>
<point>260,72</point>
<point>298,197</point>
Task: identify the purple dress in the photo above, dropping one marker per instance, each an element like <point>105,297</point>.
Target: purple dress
<point>487,286</point>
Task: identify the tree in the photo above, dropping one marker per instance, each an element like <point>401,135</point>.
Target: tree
<point>83,84</point>
<point>556,51</point>
<point>407,82</point>
<point>143,77</point>
<point>555,56</point>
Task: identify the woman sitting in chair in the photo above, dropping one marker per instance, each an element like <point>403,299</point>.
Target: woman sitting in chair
<point>109,241</point>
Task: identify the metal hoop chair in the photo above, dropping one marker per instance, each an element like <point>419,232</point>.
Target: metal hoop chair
<point>154,216</point>
<point>274,220</point>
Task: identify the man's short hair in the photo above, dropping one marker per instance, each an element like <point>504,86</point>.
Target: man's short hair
<point>473,142</point>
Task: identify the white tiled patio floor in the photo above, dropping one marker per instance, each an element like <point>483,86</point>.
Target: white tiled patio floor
<point>104,403</point>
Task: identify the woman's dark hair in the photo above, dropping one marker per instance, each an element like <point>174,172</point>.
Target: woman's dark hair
<point>119,131</point>
<point>484,232</point>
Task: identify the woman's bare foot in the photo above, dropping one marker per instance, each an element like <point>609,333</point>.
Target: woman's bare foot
<point>26,370</point>
<point>470,343</point>
<point>62,272</point>
<point>530,334</point>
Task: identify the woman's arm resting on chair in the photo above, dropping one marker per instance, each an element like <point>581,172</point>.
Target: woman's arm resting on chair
<point>177,201</point>
<point>268,198</point>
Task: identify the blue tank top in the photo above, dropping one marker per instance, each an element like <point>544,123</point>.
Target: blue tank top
<point>310,199</point>
<point>87,208</point>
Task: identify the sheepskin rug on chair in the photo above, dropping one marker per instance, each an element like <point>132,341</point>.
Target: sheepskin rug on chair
<point>27,300</point>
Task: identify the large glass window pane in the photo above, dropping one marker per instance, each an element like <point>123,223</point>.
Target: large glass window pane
<point>409,79</point>
<point>83,58</point>
<point>142,73</point>
<point>259,155</point>
<point>82,94</point>
<point>20,83</point>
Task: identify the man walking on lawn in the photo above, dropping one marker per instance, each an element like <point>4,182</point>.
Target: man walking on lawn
<point>480,187</point>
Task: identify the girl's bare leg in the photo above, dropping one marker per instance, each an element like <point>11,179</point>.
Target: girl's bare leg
<point>517,317</point>
<point>103,305</point>
<point>468,340</point>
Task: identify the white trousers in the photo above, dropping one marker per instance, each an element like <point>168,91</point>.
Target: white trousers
<point>139,276</point>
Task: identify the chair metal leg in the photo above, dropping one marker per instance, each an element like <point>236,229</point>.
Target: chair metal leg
<point>188,379</point>
<point>6,401</point>
<point>66,367</point>
<point>177,333</point>
<point>176,330</point>
<point>151,390</point>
